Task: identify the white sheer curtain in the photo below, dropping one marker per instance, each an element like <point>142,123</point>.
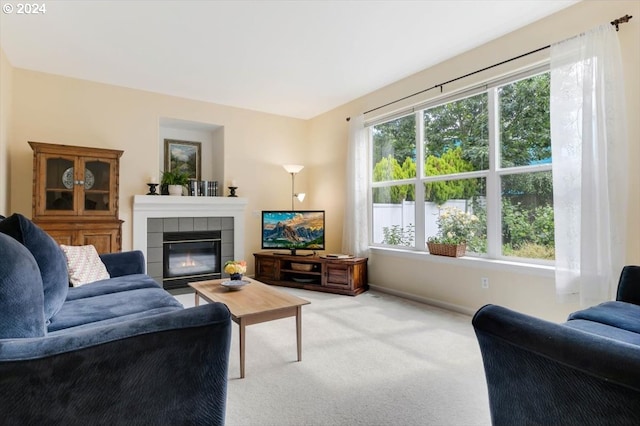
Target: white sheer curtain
<point>355,232</point>
<point>589,147</point>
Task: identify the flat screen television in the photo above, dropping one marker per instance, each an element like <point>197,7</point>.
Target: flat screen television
<point>293,230</point>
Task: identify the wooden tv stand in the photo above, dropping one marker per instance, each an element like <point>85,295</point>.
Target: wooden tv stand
<point>341,276</point>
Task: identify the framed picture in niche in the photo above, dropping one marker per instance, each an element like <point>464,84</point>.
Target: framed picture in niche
<point>184,156</point>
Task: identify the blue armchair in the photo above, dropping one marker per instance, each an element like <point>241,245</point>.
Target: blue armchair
<point>585,371</point>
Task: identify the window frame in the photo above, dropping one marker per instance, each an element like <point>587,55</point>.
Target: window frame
<point>493,174</point>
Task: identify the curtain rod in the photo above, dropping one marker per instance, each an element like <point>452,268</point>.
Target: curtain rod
<point>615,22</point>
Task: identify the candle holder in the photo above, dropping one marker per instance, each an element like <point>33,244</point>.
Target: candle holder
<point>232,191</point>
<point>152,189</point>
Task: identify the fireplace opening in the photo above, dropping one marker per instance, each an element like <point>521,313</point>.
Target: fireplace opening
<point>190,256</point>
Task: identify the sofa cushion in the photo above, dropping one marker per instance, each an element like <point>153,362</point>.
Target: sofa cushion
<point>124,263</point>
<point>48,255</point>
<point>604,330</point>
<point>84,265</point>
<point>111,306</point>
<point>130,319</point>
<point>21,295</point>
<point>112,285</point>
<point>616,314</point>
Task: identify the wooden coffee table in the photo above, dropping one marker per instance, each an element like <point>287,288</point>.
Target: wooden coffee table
<point>256,302</point>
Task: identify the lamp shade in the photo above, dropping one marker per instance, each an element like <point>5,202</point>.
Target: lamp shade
<point>292,168</point>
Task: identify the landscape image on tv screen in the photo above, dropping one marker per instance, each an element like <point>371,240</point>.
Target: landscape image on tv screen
<point>293,230</point>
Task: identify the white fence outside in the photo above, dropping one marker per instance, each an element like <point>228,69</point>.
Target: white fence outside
<point>404,214</point>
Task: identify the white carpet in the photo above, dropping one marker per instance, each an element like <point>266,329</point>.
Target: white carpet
<point>373,359</point>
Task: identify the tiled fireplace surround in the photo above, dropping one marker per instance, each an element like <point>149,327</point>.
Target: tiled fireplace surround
<point>153,215</point>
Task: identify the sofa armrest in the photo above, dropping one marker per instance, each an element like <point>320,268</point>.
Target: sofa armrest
<point>124,263</point>
<point>539,372</point>
<point>629,285</point>
<point>166,369</point>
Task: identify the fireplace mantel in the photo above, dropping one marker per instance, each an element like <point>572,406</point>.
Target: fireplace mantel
<point>164,206</point>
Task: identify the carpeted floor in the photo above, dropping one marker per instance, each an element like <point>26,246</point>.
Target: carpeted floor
<point>374,359</point>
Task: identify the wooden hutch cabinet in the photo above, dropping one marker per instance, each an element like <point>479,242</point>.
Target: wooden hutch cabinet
<point>75,195</point>
<point>341,276</point>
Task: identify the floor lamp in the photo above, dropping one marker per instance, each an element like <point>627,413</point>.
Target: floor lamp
<point>294,169</point>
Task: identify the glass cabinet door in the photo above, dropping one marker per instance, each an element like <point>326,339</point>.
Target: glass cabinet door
<point>97,187</point>
<point>59,185</point>
<point>76,186</point>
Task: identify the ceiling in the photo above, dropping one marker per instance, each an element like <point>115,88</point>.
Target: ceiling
<point>292,58</point>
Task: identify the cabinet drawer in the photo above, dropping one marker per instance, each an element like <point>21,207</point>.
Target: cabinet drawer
<point>267,269</point>
<point>338,276</point>
<point>61,237</point>
<point>104,236</point>
<point>104,242</point>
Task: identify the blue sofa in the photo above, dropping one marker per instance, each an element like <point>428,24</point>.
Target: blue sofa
<point>585,371</point>
<point>117,351</point>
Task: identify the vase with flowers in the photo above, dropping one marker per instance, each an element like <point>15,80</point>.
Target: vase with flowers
<point>235,269</point>
<point>455,228</point>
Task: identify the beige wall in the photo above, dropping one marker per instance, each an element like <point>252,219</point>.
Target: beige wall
<point>456,283</point>
<point>6,90</point>
<point>55,109</point>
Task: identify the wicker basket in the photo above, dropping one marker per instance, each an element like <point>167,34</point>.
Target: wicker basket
<point>450,250</point>
<point>306,267</point>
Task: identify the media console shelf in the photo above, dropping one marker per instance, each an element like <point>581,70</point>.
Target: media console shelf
<point>341,276</point>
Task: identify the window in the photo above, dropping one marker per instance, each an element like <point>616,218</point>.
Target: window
<point>394,153</point>
<point>484,157</point>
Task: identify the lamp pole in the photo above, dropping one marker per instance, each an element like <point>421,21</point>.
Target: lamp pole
<point>293,192</point>
<point>293,169</point>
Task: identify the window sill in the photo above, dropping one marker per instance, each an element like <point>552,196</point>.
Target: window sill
<point>547,271</point>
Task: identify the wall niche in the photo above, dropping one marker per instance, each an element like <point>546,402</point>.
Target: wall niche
<point>211,136</point>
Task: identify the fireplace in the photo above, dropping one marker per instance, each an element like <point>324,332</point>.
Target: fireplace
<point>190,256</point>
<point>155,215</point>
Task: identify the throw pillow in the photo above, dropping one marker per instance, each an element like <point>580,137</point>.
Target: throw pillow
<point>84,265</point>
<point>50,259</point>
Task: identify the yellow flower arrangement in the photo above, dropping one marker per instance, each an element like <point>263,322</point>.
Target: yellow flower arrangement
<point>233,267</point>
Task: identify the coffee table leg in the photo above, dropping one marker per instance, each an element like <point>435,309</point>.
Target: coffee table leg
<point>197,299</point>
<point>299,331</point>
<point>241,327</point>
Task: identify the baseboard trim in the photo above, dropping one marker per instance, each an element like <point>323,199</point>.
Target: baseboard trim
<point>438,303</point>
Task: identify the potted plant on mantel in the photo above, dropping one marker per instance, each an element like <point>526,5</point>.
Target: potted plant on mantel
<point>455,228</point>
<point>175,181</point>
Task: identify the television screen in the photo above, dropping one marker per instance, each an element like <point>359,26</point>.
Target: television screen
<point>293,230</point>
